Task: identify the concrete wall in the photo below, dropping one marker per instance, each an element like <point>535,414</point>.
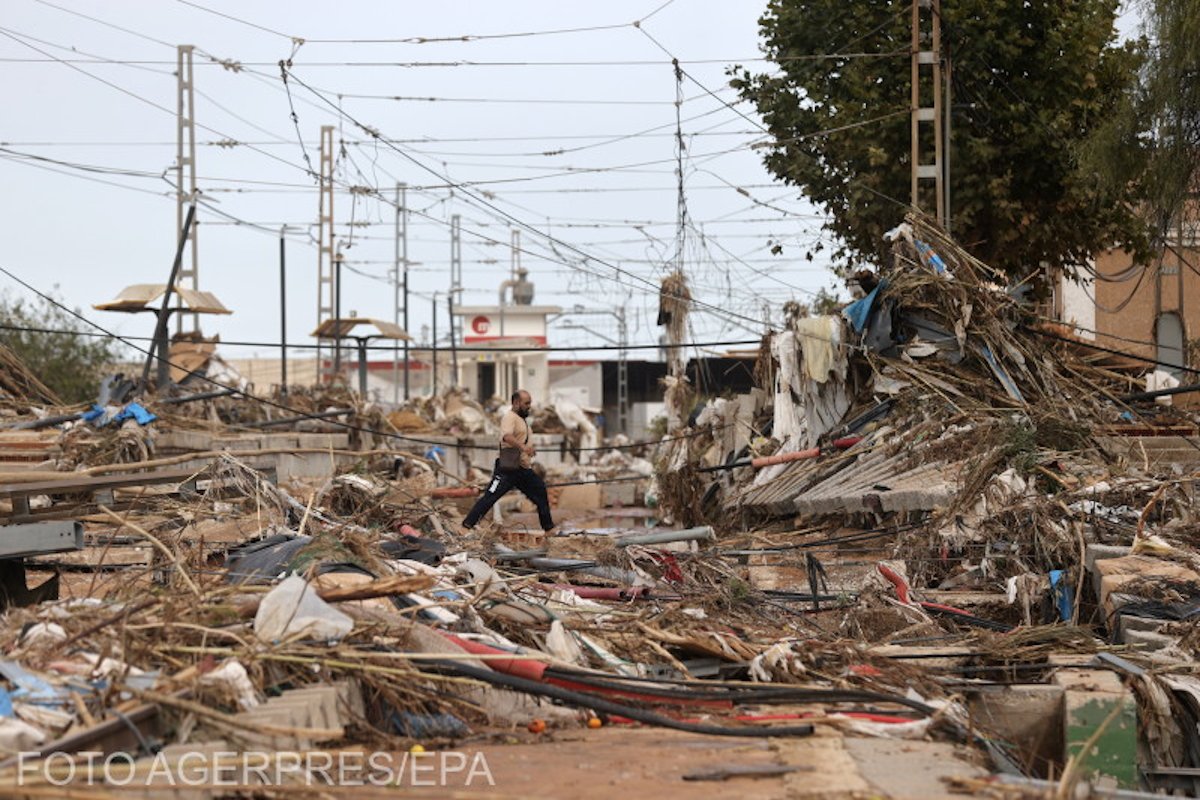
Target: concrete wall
<point>1077,305</point>
<point>580,383</point>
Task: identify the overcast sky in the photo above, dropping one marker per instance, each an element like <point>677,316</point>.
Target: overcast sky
<point>569,131</point>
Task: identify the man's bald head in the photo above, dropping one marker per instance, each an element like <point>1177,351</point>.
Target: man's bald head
<point>521,402</point>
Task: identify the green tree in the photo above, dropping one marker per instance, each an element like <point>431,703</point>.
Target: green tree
<point>69,364</point>
<point>1152,141</point>
<point>1031,81</point>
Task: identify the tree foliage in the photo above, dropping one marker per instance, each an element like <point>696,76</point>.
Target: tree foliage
<point>70,365</point>
<point>1031,81</point>
<point>1151,142</point>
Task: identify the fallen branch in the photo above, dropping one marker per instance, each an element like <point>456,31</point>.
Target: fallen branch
<point>383,587</point>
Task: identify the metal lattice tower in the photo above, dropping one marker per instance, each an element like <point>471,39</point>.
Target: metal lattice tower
<point>326,272</point>
<point>926,119</point>
<point>185,179</point>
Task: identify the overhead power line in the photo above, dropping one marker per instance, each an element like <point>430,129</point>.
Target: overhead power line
<point>291,411</point>
<point>391,348</point>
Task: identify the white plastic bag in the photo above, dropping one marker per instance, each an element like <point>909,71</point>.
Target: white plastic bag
<point>293,607</point>
<point>232,677</point>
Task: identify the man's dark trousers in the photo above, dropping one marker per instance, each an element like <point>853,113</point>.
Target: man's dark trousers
<point>504,481</point>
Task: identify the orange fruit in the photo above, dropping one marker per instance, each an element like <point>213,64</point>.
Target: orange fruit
<point>594,722</point>
<point>537,726</point>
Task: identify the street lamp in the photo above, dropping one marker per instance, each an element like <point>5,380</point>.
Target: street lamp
<point>140,297</point>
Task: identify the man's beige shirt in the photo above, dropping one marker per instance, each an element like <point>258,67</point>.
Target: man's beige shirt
<point>512,424</point>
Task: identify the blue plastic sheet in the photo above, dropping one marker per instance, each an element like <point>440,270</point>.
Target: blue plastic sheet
<point>135,412</point>
<point>858,313</point>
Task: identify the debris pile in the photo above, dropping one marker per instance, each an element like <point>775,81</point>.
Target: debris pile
<point>937,508</point>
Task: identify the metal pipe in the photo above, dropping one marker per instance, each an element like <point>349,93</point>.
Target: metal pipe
<point>508,284</point>
<point>1193,387</point>
<point>362,367</point>
<point>188,398</point>
<point>703,533</point>
<point>617,574</point>
<point>159,343</point>
<point>45,422</point>
<point>1084,789</point>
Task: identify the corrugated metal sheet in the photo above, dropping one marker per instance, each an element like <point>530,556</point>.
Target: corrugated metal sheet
<point>141,296</point>
<point>343,328</point>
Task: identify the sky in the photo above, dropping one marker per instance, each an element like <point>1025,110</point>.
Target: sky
<point>557,119</point>
<point>563,125</point>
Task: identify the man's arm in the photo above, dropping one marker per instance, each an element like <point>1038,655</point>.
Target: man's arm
<point>510,440</point>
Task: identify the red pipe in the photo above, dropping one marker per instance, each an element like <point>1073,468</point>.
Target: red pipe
<point>527,668</point>
<point>903,596</point>
<point>784,458</point>
<point>799,455</point>
<point>899,583</point>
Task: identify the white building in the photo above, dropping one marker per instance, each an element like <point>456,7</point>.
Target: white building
<point>513,335</point>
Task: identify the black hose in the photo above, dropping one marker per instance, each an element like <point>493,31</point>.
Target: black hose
<point>581,700</point>
<point>766,694</point>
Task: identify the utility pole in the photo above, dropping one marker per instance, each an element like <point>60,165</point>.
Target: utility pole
<point>622,372</point>
<point>455,286</point>
<point>400,273</point>
<point>453,343</point>
<point>433,350</point>
<point>337,311</point>
<point>185,176</point>
<point>283,383</point>
<point>326,277</point>
<point>927,32</point>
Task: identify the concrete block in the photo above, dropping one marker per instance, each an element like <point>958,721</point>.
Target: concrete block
<point>1115,573</point>
<point>324,702</point>
<point>1147,641</point>
<point>173,440</point>
<point>1093,698</point>
<point>619,494</point>
<point>350,699</point>
<point>586,497</point>
<point>1129,622</point>
<point>1029,717</point>
<point>1099,552</point>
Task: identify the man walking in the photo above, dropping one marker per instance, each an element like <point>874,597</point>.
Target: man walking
<point>513,468</point>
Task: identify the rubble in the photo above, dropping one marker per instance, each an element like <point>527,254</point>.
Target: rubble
<point>927,524</point>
